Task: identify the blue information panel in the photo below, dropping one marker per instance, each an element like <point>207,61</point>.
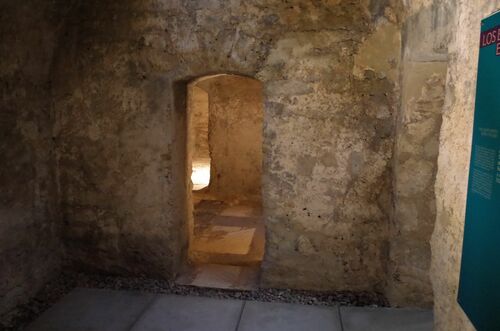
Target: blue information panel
<point>479,293</point>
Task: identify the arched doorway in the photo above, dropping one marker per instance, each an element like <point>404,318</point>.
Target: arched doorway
<point>226,231</point>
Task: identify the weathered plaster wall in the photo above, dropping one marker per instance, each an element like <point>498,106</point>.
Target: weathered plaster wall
<point>235,137</point>
<point>334,150</point>
<point>454,155</point>
<point>328,132</point>
<point>199,130</point>
<point>328,144</point>
<point>423,76</point>
<point>122,172</point>
<point>30,247</point>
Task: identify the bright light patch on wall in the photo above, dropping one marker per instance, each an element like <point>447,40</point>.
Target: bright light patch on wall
<point>200,175</point>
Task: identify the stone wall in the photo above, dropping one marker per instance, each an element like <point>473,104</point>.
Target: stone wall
<point>235,137</point>
<point>347,178</point>
<point>454,156</point>
<point>30,246</point>
<point>331,93</point>
<point>120,139</point>
<point>423,76</point>
<point>327,149</point>
<point>199,124</point>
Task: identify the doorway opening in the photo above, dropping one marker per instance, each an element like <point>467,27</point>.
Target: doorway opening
<point>226,230</point>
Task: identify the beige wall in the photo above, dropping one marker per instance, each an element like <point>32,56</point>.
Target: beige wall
<point>423,76</point>
<point>327,135</point>
<point>340,159</point>
<point>235,137</point>
<point>199,108</point>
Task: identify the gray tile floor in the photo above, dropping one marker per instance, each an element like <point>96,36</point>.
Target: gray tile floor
<point>106,310</point>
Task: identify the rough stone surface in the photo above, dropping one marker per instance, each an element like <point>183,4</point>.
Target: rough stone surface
<point>234,136</point>
<point>30,246</point>
<point>423,77</point>
<point>328,132</point>
<point>327,150</point>
<point>366,137</point>
<point>199,107</point>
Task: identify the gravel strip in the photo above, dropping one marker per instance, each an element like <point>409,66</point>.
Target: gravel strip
<point>57,288</point>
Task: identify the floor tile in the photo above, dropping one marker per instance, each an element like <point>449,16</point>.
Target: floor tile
<point>178,313</point>
<point>385,319</point>
<point>261,316</point>
<point>93,310</point>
